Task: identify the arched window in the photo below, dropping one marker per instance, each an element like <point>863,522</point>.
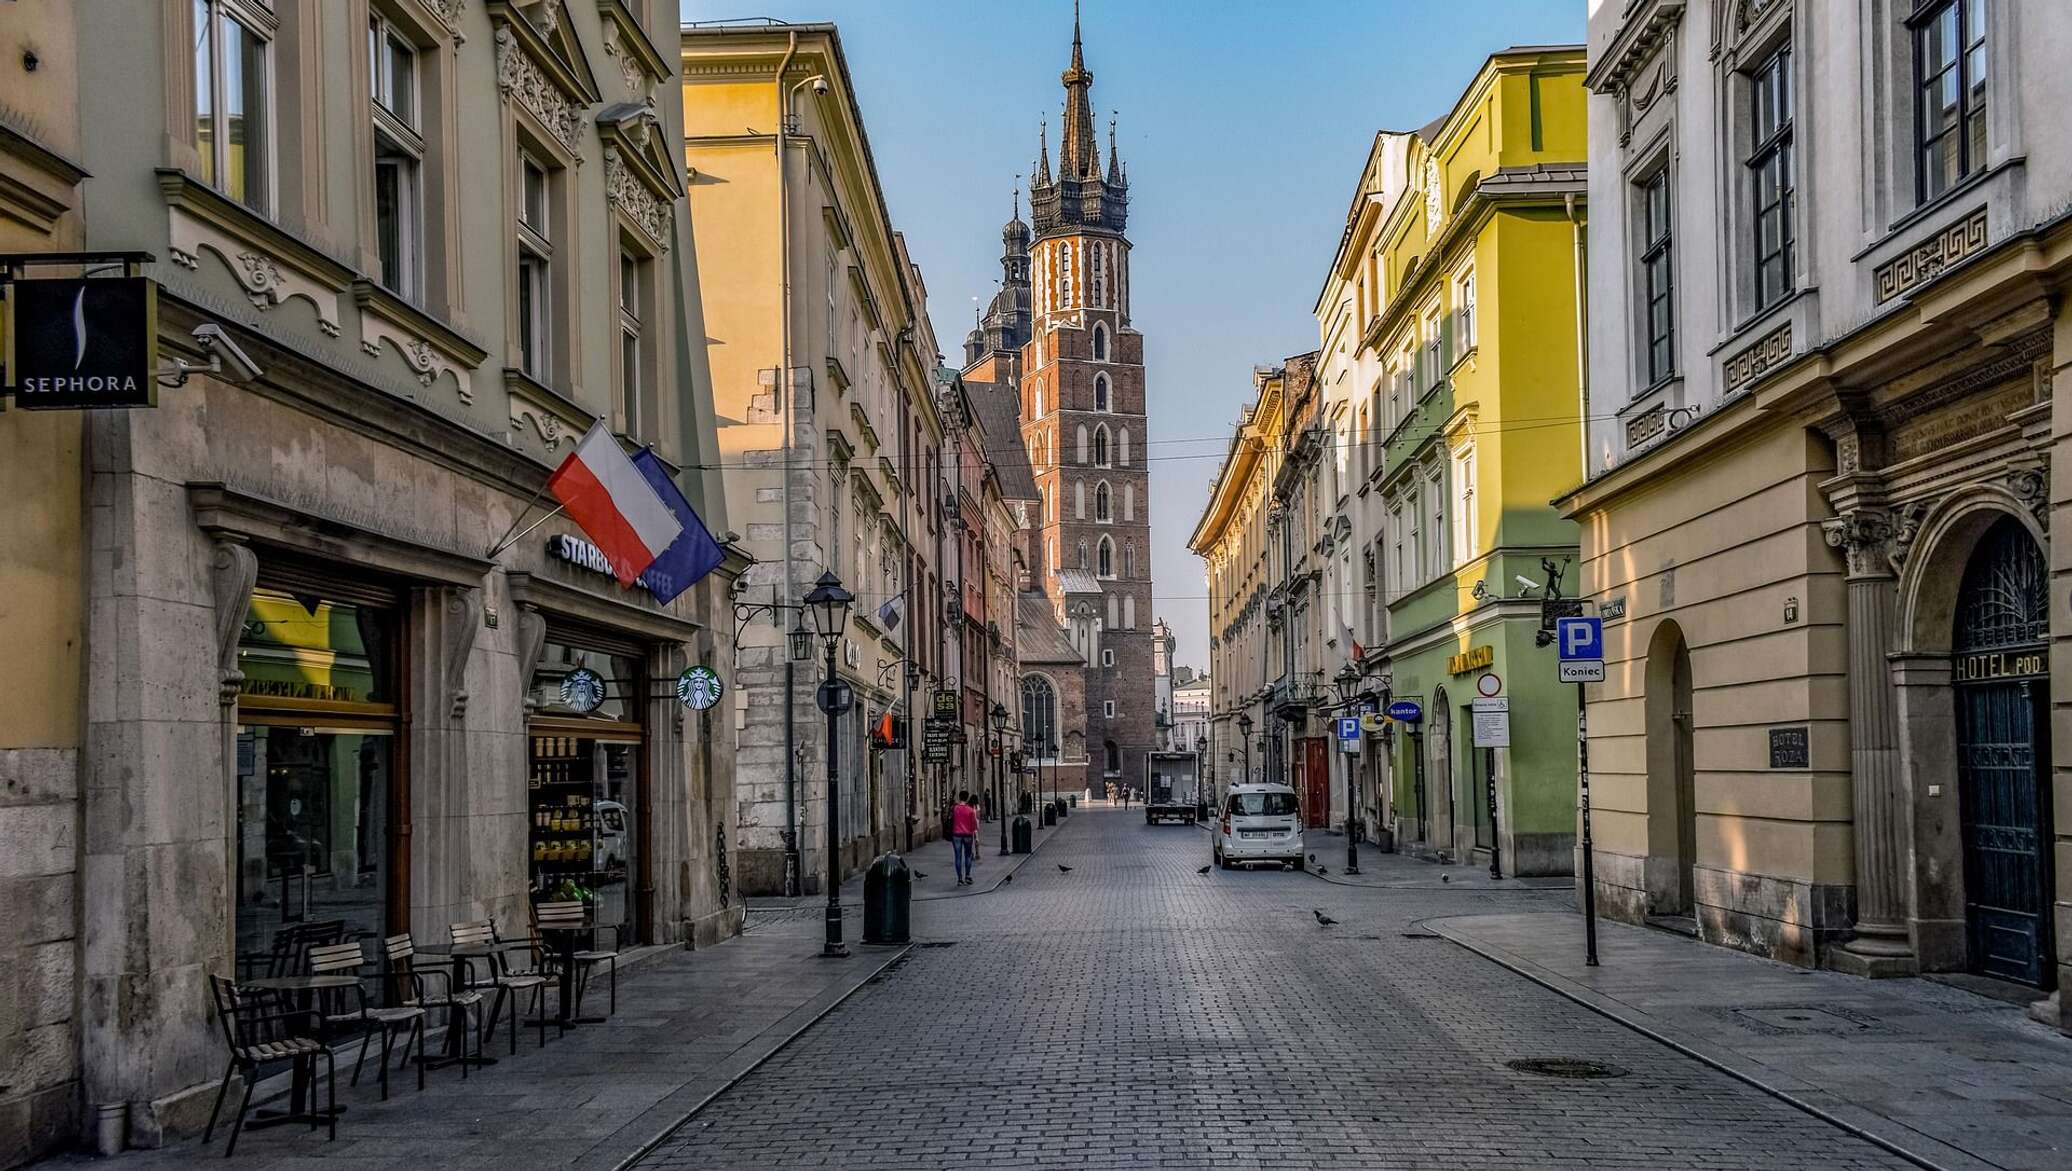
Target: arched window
<point>1082,443</point>
<point>1101,446</point>
<point>1129,502</point>
<point>1122,446</point>
<point>1106,554</point>
<point>1093,277</point>
<point>1100,386</point>
<point>1039,403</point>
<point>1082,554</point>
<point>1065,274</point>
<point>1113,757</point>
<point>1103,503</point>
<point>1039,717</point>
<point>1079,501</point>
<point>1129,559</point>
<point>1100,342</point>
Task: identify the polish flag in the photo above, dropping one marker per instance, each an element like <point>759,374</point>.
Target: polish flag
<point>599,487</point>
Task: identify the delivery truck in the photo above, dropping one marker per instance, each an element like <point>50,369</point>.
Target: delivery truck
<point>1172,787</point>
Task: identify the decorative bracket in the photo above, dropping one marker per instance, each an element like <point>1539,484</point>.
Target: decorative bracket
<point>233,569</point>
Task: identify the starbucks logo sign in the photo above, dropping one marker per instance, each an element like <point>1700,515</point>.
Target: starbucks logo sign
<point>582,690</point>
<point>699,688</point>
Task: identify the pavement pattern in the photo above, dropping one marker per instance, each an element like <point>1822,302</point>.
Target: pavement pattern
<point>1135,1013</point>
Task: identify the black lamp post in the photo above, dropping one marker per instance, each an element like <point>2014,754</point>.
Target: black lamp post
<point>1244,731</point>
<point>1052,748</point>
<point>829,604</point>
<point>1201,780</point>
<point>999,718</point>
<point>1348,683</point>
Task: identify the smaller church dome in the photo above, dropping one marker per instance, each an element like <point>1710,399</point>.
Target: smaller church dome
<point>1015,234</point>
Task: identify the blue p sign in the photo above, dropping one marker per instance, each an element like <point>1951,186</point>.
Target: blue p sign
<point>1580,638</point>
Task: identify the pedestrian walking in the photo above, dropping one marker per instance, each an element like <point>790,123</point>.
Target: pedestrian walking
<point>964,837</point>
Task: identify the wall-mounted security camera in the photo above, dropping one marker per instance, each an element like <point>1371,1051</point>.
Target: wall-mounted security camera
<point>1525,581</point>
<point>820,86</point>
<point>227,359</point>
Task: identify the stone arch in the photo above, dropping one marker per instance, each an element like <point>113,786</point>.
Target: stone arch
<point>1672,819</point>
<point>1936,547</point>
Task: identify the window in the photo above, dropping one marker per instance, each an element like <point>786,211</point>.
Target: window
<point>1398,574</point>
<point>632,349</point>
<point>1100,392</point>
<point>535,260</point>
<point>1100,342</point>
<point>1105,552</point>
<point>1112,756</point>
<point>1464,505</point>
<point>1770,164</point>
<point>1101,446</point>
<point>1039,717</point>
<point>1122,446</point>
<point>1435,509</point>
<point>1065,274</point>
<point>1435,355</point>
<point>1082,554</point>
<point>233,101</point>
<point>1103,504</point>
<point>1082,444</point>
<point>1039,403</point>
<point>1129,564</point>
<point>1093,279</point>
<point>1950,76</point>
<point>1658,280</point>
<point>398,158</point>
<point>1464,309</point>
<point>1129,609</point>
<point>832,317</point>
<point>1108,659</point>
<point>1129,502</point>
<point>1079,500</point>
<point>1261,805</point>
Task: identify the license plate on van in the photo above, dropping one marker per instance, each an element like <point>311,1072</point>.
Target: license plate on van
<point>1255,833</point>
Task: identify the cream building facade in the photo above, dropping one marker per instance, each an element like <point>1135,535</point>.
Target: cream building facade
<point>824,377</point>
<point>316,689</point>
<point>1826,479</point>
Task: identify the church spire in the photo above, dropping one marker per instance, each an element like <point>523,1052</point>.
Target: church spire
<point>1078,154</point>
<point>1042,176</point>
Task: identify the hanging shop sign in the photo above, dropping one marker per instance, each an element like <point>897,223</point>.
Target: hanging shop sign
<point>1407,711</point>
<point>74,343</point>
<point>945,701</point>
<point>582,690</point>
<point>938,739</point>
<point>698,688</point>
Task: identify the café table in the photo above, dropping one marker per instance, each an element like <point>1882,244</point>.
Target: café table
<point>566,939</point>
<point>301,1105</point>
<point>456,1030</point>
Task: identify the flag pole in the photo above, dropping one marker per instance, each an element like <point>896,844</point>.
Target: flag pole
<point>510,540</point>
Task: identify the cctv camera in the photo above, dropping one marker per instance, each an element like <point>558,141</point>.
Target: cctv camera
<point>1525,581</point>
<point>820,86</point>
<point>230,361</point>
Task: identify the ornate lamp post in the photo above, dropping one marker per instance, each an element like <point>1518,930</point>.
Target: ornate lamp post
<point>1244,731</point>
<point>999,719</point>
<point>1348,682</point>
<point>829,603</point>
<point>1201,777</point>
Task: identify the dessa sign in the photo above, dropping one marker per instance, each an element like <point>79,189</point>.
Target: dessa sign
<point>83,343</point>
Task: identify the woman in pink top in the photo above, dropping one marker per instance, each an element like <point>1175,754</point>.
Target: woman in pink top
<point>963,836</point>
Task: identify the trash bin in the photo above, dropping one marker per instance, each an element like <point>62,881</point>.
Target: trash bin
<point>1075,800</point>
<point>1023,836</point>
<point>1064,807</point>
<point>1050,815</point>
<point>888,892</point>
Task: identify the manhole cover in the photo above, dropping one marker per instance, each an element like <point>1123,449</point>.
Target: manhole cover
<point>1787,1019</point>
<point>1568,1067</point>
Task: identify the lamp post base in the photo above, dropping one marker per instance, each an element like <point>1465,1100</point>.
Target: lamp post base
<point>834,951</point>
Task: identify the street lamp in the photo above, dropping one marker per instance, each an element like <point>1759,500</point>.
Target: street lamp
<point>1244,731</point>
<point>801,641</point>
<point>999,718</point>
<point>1348,683</point>
<point>829,604</point>
<point>1201,781</point>
<point>1052,748</point>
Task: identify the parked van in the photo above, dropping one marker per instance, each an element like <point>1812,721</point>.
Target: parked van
<point>1260,823</point>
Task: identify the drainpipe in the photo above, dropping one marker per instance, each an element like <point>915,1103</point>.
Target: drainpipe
<point>784,393</point>
<point>1580,230</point>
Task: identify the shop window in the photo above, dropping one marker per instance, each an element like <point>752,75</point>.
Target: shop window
<point>316,772</point>
<point>584,781</point>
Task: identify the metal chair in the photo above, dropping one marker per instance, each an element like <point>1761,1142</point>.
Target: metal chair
<point>507,978</point>
<point>346,959</point>
<point>290,949</point>
<point>256,1036</point>
<point>408,986</point>
<point>571,914</point>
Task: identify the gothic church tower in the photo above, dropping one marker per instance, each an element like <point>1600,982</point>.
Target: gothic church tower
<point>1082,402</point>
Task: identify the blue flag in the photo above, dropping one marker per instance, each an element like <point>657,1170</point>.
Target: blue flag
<point>693,554</point>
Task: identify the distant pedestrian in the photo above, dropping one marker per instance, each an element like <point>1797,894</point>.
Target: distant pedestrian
<point>964,837</point>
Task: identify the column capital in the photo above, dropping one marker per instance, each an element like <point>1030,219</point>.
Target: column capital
<point>1865,536</point>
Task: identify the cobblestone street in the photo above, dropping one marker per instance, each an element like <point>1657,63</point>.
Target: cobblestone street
<point>1136,1013</point>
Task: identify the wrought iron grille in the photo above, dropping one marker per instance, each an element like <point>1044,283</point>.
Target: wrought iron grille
<point>2005,599</point>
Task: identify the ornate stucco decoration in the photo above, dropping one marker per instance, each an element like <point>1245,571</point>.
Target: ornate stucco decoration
<point>1933,257</point>
<point>1865,538</point>
<point>463,612</point>
<point>1763,355</point>
<point>631,196</point>
<point>521,79</point>
<point>267,280</point>
<point>449,13</point>
<point>427,345</point>
<point>233,568</point>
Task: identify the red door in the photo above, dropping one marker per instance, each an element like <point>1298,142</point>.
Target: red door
<point>1315,784</point>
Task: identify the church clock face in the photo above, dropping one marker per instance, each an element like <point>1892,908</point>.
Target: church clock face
<point>1431,186</point>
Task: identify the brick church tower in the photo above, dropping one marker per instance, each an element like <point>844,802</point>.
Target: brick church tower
<point>1082,402</point>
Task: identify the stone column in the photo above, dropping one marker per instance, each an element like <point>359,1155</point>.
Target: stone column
<point>1881,946</point>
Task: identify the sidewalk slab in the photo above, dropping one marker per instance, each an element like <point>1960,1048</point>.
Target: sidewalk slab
<point>688,1025</point>
<point>1383,868</point>
<point>1937,1074</point>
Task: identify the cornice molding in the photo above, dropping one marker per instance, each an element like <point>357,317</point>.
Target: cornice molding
<point>1642,31</point>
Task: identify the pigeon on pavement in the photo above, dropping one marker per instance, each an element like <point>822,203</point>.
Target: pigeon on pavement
<point>1446,878</point>
<point>1008,879</point>
<point>1312,857</point>
<point>1324,920</point>
<point>1203,870</point>
<point>1321,870</point>
<point>920,874</point>
<point>1064,869</point>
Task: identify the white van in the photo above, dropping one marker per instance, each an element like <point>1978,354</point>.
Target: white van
<point>1260,823</point>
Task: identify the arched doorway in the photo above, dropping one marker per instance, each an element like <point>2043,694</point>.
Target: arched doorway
<point>1672,782</point>
<point>2000,665</point>
<point>1439,769</point>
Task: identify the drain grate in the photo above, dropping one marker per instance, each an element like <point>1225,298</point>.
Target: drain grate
<point>1566,1067</point>
<point>937,943</point>
<point>1422,935</point>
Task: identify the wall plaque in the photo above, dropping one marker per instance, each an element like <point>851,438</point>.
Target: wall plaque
<point>1790,747</point>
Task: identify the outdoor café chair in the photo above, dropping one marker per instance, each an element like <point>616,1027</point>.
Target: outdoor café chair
<point>346,959</point>
<point>431,989</point>
<point>571,913</point>
<point>507,978</point>
<point>256,1037</point>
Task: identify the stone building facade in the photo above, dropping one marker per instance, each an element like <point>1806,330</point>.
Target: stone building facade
<point>318,684</point>
<point>1828,392</point>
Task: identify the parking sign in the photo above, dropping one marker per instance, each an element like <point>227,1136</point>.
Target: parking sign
<point>1580,639</point>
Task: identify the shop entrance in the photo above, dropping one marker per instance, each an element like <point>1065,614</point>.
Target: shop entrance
<point>2003,704</point>
<point>586,779</point>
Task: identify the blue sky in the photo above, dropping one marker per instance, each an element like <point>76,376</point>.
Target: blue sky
<point>1244,126</point>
